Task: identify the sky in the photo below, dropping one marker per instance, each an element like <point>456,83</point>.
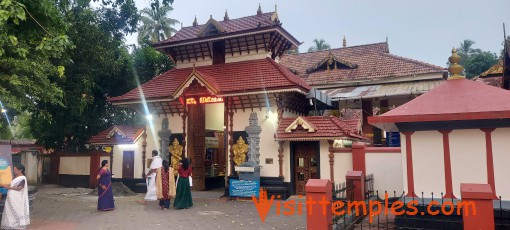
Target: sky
<point>424,30</point>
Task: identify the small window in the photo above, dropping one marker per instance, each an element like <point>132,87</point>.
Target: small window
<point>301,162</point>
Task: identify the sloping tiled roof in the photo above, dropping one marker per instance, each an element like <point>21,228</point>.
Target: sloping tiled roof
<point>230,26</point>
<point>327,128</point>
<point>382,90</point>
<point>453,100</point>
<point>496,81</point>
<point>373,61</point>
<point>117,134</point>
<point>231,78</point>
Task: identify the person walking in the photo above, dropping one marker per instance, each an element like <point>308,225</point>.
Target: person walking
<point>165,183</point>
<point>16,209</point>
<point>105,200</point>
<point>183,194</point>
<point>157,163</point>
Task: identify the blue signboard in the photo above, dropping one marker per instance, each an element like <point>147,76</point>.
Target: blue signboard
<point>243,188</point>
<point>393,139</point>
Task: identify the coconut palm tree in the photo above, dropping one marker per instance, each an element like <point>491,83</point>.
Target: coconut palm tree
<point>156,25</point>
<point>319,45</point>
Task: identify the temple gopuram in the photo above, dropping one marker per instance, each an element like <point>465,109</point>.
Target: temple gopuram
<point>232,74</point>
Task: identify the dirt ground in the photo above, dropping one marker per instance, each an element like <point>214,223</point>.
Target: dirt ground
<point>68,208</point>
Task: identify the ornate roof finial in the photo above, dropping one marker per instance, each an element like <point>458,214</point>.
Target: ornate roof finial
<point>182,25</point>
<point>195,23</point>
<point>226,16</point>
<point>455,69</point>
<point>344,44</point>
<point>211,16</point>
<point>259,11</point>
<point>275,8</point>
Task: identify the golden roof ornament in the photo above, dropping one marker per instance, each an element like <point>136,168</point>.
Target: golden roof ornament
<point>455,69</point>
<point>195,23</point>
<point>259,11</point>
<point>344,42</point>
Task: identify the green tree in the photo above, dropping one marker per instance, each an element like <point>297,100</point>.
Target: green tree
<point>475,61</point>
<point>149,63</point>
<point>157,26</point>
<point>32,39</point>
<point>319,44</point>
<point>101,66</point>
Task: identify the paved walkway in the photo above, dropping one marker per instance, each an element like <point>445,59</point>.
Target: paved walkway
<point>62,208</point>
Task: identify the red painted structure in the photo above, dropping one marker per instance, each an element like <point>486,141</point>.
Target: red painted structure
<point>454,102</point>
<point>356,179</point>
<point>317,217</point>
<point>481,195</point>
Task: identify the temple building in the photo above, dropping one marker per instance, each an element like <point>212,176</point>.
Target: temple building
<point>232,70</point>
<point>365,79</point>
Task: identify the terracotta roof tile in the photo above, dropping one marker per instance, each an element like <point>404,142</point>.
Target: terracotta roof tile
<point>327,128</point>
<point>496,81</point>
<point>230,26</point>
<point>457,100</point>
<point>229,78</point>
<point>372,62</point>
<point>123,135</point>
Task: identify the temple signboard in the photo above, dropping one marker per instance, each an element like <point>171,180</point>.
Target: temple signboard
<point>244,188</point>
<point>203,100</point>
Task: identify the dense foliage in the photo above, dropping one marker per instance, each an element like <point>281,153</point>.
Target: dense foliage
<point>475,61</point>
<point>61,60</point>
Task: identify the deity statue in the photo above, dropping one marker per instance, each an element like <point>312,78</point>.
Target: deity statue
<point>176,152</point>
<point>240,151</point>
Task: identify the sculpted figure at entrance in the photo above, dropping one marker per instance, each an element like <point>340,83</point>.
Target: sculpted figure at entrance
<point>176,152</point>
<point>240,151</point>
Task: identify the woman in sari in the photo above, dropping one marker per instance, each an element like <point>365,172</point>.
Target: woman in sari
<point>165,183</point>
<point>104,189</point>
<point>16,213</point>
<point>183,193</point>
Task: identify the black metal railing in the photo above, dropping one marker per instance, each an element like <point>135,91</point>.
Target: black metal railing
<point>369,187</point>
<point>502,214</point>
<point>343,192</point>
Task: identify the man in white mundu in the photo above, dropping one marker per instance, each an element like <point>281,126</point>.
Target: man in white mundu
<point>157,163</point>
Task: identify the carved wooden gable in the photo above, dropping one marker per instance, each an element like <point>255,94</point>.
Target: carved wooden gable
<point>301,124</point>
<point>331,62</point>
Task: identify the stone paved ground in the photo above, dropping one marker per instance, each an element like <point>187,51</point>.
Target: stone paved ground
<point>61,208</point>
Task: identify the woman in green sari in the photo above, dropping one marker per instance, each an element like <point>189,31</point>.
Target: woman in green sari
<point>183,193</point>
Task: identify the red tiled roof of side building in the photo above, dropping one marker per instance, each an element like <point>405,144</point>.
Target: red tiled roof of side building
<point>372,60</point>
<point>327,128</point>
<point>132,133</point>
<point>230,26</point>
<point>230,78</point>
<point>453,100</point>
<point>494,81</point>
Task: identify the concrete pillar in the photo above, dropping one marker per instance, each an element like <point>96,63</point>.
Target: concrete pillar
<point>357,179</point>
<point>164,135</point>
<point>358,157</point>
<point>319,215</point>
<point>481,196</point>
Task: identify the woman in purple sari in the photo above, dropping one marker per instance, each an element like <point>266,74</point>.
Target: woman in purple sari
<point>104,189</point>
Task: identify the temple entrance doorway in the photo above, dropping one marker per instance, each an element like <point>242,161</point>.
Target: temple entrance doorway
<point>206,142</point>
<point>306,164</point>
